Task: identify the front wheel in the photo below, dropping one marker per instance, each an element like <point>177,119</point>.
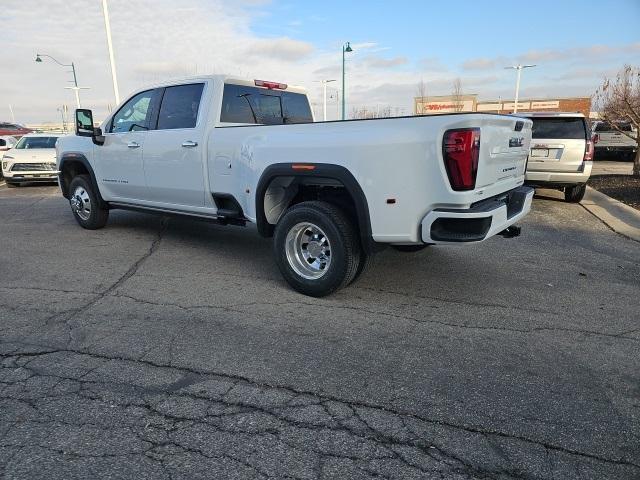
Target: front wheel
<point>86,208</point>
<point>316,248</point>
<point>574,193</point>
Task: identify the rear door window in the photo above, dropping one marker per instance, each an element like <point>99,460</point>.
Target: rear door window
<point>180,105</point>
<point>253,105</point>
<point>559,127</point>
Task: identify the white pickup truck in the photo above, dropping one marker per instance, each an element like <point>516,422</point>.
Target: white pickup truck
<point>330,193</point>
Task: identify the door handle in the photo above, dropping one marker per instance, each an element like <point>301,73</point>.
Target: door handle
<point>133,145</point>
<point>189,144</point>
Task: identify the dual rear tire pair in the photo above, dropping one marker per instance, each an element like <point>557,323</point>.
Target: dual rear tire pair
<point>318,249</point>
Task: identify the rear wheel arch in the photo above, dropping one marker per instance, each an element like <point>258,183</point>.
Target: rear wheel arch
<point>318,175</point>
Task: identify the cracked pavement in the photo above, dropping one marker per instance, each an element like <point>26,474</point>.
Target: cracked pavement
<point>169,348</point>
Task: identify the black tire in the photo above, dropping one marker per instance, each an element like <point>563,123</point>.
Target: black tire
<point>366,261</point>
<point>410,248</point>
<point>344,252</point>
<point>12,185</point>
<point>575,193</point>
<point>97,215</point>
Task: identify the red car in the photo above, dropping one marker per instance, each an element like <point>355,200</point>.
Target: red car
<point>13,129</point>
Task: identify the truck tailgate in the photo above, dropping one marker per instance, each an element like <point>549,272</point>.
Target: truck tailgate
<point>504,148</point>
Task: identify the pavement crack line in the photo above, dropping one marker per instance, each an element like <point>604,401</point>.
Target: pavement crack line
<point>322,397</point>
<point>68,316</point>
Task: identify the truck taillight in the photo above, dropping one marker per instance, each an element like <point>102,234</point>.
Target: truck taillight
<point>588,151</point>
<point>461,151</point>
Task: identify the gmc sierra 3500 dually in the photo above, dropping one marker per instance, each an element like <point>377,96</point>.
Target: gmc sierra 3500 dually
<point>330,193</point>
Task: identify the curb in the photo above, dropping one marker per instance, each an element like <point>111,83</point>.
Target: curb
<point>621,218</point>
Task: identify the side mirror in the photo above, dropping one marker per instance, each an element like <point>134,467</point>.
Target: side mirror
<point>84,122</point>
<point>84,126</point>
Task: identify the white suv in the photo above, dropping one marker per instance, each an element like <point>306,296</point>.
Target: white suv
<point>561,153</point>
<point>32,159</point>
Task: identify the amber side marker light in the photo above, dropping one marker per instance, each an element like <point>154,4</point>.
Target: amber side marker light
<point>303,167</point>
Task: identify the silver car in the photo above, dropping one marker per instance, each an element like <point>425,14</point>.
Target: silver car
<point>561,153</point>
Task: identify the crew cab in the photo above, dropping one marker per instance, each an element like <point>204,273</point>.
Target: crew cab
<point>330,193</point>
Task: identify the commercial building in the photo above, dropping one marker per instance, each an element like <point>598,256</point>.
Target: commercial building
<point>470,103</point>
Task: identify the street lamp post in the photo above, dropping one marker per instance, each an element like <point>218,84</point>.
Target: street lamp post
<point>107,26</point>
<point>324,98</point>
<point>346,48</point>
<point>75,87</point>
<point>518,68</point>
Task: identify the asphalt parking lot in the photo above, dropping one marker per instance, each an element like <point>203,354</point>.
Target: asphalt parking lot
<point>166,348</point>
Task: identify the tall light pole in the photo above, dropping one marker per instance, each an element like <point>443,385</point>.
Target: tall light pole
<point>75,87</point>
<point>518,68</point>
<point>324,98</point>
<point>346,48</point>
<point>107,26</point>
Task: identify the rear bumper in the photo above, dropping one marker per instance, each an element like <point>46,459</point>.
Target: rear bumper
<point>546,178</point>
<point>616,149</point>
<point>483,220</point>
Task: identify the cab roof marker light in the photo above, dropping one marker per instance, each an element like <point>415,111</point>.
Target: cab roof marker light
<point>271,85</point>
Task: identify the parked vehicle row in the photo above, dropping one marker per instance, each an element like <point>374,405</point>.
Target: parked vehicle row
<point>330,194</point>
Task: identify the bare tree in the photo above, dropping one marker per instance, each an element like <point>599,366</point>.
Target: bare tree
<point>618,101</point>
<point>364,112</point>
<point>421,95</point>
<point>456,93</point>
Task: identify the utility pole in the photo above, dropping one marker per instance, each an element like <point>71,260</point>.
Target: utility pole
<point>518,68</point>
<point>107,26</point>
<point>13,117</point>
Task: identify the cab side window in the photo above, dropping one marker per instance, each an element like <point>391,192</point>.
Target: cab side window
<point>180,105</point>
<point>134,115</point>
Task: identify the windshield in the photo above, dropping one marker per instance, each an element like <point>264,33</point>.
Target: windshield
<point>36,142</point>
<point>559,127</point>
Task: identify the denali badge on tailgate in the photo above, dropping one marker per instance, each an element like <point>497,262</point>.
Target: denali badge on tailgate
<point>516,141</point>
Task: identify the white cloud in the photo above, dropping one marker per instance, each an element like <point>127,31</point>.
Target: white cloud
<point>379,62</point>
<point>282,48</point>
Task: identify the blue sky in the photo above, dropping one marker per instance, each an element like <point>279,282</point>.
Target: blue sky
<point>561,36</point>
<point>396,44</point>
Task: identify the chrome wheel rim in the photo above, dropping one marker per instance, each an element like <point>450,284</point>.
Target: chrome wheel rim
<point>308,250</point>
<point>81,203</point>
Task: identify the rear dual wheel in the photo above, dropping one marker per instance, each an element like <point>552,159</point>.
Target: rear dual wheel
<point>317,248</point>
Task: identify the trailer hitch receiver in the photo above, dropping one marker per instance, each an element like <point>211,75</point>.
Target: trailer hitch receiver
<point>510,232</point>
